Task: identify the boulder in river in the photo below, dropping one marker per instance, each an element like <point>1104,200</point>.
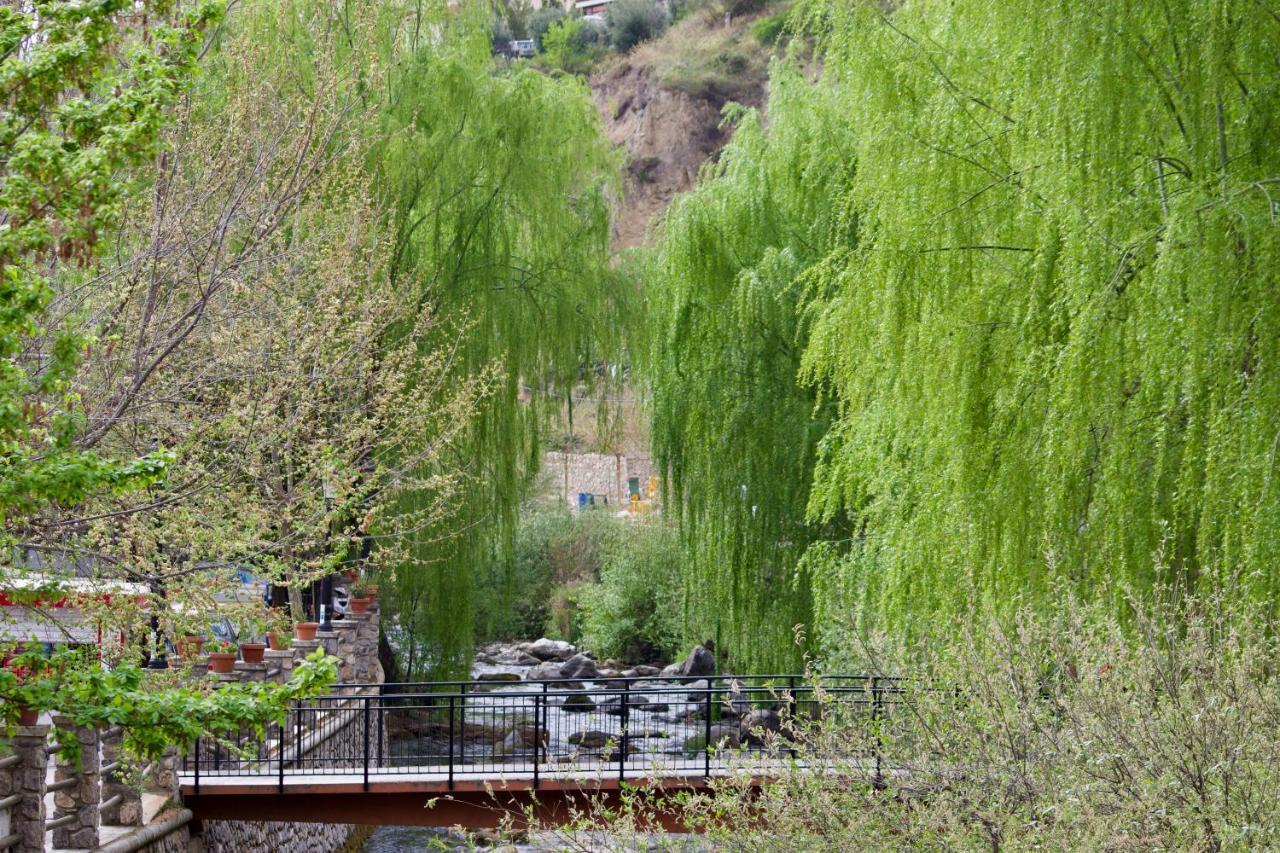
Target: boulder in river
<point>547,671</point>
<point>544,649</point>
<point>590,739</point>
<point>700,662</point>
<point>756,723</point>
<point>498,676</point>
<point>516,657</point>
<point>578,703</point>
<point>580,667</point>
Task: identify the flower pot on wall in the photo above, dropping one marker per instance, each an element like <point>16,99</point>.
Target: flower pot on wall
<point>306,630</point>
<point>222,662</point>
<point>278,642</point>
<point>28,716</point>
<point>252,652</point>
<point>360,605</point>
<point>189,646</point>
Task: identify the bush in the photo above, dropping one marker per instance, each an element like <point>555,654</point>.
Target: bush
<point>554,552</point>
<point>571,46</point>
<point>635,611</point>
<point>633,21</point>
<point>768,31</point>
<point>541,21</point>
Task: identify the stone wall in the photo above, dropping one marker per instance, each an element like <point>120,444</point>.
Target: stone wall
<point>601,474</point>
<point>276,837</point>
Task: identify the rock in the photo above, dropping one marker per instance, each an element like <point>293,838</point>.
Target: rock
<point>544,672</point>
<point>614,663</point>
<point>481,657</point>
<point>722,737</point>
<point>645,671</point>
<point>654,707</point>
<point>544,649</point>
<point>698,691</point>
<point>672,670</point>
<point>591,739</point>
<point>578,703</point>
<point>512,744</point>
<point>498,676</point>
<point>613,705</point>
<point>756,723</point>
<point>580,667</point>
<point>515,657</point>
<point>700,662</point>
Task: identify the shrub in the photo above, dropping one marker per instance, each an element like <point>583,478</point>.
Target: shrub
<point>541,21</point>
<point>633,21</point>
<point>635,611</point>
<point>769,30</point>
<point>570,45</point>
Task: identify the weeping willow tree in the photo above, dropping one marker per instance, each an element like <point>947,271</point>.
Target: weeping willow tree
<point>1054,348</point>
<point>733,429</point>
<point>496,185</point>
<point>1051,345</point>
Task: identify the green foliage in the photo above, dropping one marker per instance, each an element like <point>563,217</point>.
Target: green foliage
<point>154,717</point>
<point>769,30</point>
<point>542,20</point>
<point>633,21</point>
<point>570,46</point>
<point>86,95</point>
<point>496,187</point>
<point>635,612</point>
<point>734,430</point>
<point>1030,327</point>
<point>528,591</point>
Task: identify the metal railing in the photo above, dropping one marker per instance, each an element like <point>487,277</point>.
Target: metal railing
<point>448,731</point>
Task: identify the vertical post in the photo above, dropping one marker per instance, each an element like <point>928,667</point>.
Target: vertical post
<point>462,726</point>
<point>27,783</point>
<point>382,712</point>
<point>622,738</point>
<point>706,737</point>
<point>366,742</point>
<point>875,717</point>
<point>450,741</point>
<point>197,760</point>
<point>537,735</point>
<point>284,734</point>
<point>791,709</point>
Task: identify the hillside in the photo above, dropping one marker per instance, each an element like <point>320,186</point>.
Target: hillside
<point>662,103</point>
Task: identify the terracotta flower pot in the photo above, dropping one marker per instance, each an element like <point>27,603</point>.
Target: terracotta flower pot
<point>278,642</point>
<point>189,646</point>
<point>252,652</point>
<point>27,716</point>
<point>373,596</point>
<point>223,662</point>
<point>360,605</point>
<point>306,630</point>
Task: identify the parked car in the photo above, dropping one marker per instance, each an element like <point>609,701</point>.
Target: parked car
<point>524,48</point>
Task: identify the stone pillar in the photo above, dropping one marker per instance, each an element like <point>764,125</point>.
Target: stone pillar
<point>251,671</point>
<point>348,635</point>
<point>328,639</point>
<point>279,664</point>
<point>128,812</point>
<point>164,779</point>
<point>79,800</point>
<point>26,780</point>
<point>302,648</point>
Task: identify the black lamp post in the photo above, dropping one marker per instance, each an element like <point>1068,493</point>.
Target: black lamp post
<point>157,658</point>
<point>326,584</point>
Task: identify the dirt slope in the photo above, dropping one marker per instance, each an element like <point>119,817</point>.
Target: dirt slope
<point>662,104</point>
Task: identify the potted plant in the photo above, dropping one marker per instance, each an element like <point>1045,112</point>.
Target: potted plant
<point>222,657</point>
<point>360,600</point>
<point>280,633</point>
<point>190,646</point>
<point>305,631</point>
<point>29,685</point>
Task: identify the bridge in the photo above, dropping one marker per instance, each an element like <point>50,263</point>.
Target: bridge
<point>482,751</point>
